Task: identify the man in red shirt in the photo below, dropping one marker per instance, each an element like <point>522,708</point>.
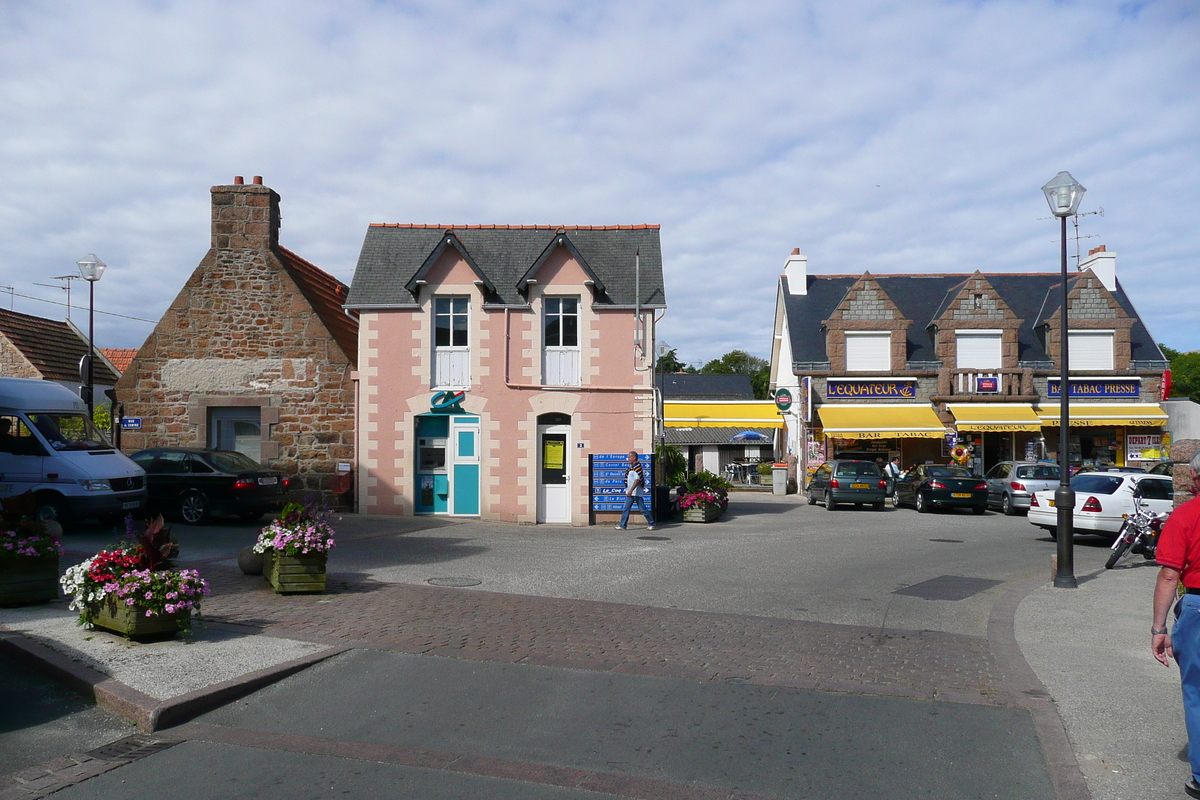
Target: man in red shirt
<point>1178,554</point>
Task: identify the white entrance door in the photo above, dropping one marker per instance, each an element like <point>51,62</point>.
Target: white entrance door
<point>554,473</point>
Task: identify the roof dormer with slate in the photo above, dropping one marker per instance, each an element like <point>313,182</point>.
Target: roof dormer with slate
<point>865,307</point>
<point>975,305</point>
<point>1092,308</point>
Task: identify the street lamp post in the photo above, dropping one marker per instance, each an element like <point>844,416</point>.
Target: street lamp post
<point>1063,193</point>
<point>90,269</point>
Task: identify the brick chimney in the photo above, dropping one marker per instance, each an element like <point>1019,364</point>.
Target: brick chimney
<point>245,217</point>
<point>796,272</point>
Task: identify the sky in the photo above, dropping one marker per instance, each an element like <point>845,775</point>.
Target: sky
<point>875,136</point>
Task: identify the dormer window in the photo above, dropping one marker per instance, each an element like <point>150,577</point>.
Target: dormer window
<point>451,343</point>
<point>868,351</point>
<point>560,327</point>
<point>979,349</point>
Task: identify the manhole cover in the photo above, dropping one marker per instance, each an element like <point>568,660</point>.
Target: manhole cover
<point>655,538</point>
<point>454,582</point>
<point>131,748</point>
<point>948,541</point>
<point>948,587</point>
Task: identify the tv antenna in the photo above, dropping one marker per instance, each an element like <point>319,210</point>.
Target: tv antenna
<point>1078,236</point>
<point>12,293</point>
<point>66,287</point>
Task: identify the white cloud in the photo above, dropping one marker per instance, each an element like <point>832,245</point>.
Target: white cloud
<point>881,136</point>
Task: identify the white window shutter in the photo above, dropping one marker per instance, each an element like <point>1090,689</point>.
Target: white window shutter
<point>868,351</point>
<point>978,350</point>
<point>1090,350</point>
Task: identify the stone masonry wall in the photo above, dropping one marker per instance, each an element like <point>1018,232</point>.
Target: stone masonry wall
<point>241,333</point>
<point>13,363</point>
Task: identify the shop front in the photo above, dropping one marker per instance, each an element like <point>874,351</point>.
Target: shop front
<point>999,432</point>
<point>1101,434</point>
<point>910,431</point>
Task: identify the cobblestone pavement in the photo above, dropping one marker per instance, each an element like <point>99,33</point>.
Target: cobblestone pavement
<point>487,626</point>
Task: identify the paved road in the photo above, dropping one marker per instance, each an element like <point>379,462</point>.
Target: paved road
<point>769,654</point>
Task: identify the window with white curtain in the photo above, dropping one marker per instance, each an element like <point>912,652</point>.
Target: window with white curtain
<point>978,349</point>
<point>868,351</point>
<point>560,341</point>
<point>1090,350</point>
<point>451,343</point>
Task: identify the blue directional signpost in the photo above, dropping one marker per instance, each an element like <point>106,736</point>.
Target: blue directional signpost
<point>606,481</point>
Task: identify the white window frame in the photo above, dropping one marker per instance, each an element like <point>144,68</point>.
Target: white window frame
<point>451,362</point>
<point>985,351</point>
<point>560,362</point>
<point>864,354</point>
<point>1098,355</point>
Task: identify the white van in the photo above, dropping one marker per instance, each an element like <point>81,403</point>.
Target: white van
<point>48,445</point>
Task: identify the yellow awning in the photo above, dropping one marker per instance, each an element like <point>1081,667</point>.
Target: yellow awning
<point>995,417</point>
<point>717,414</point>
<point>882,421</point>
<point>1106,415</point>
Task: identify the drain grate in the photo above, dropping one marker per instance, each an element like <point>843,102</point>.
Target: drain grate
<point>948,587</point>
<point>948,541</point>
<point>457,583</point>
<point>131,748</point>
<point>655,538</point>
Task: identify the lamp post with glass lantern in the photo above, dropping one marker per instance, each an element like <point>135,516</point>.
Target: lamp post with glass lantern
<point>1063,193</point>
<point>90,269</point>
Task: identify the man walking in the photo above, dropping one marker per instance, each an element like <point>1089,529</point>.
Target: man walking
<point>1178,554</point>
<point>635,486</point>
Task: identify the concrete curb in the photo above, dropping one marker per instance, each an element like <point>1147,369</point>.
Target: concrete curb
<point>1030,694</point>
<point>147,713</point>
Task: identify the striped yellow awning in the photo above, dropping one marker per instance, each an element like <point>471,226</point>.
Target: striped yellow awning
<point>721,414</point>
<point>890,421</point>
<point>988,417</point>
<point>1106,415</point>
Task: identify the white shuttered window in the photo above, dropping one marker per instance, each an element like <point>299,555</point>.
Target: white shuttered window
<point>1090,350</point>
<point>868,351</point>
<point>978,349</point>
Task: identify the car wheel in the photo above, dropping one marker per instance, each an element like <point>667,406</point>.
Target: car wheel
<point>877,506</point>
<point>895,498</point>
<point>922,504</point>
<point>1007,506</point>
<point>979,510</point>
<point>829,504</point>
<point>812,500</point>
<point>193,508</point>
<point>1053,533</point>
<point>50,506</point>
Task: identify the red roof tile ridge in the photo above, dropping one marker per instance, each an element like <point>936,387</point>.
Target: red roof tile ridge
<point>876,275</point>
<point>326,294</point>
<point>499,227</point>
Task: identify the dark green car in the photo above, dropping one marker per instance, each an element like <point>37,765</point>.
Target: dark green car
<point>931,486</point>
<point>858,482</point>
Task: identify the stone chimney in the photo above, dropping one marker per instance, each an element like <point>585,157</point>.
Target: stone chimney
<point>245,217</point>
<point>1104,264</point>
<point>796,272</point>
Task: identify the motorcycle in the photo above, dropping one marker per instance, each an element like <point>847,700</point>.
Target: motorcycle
<point>1138,534</point>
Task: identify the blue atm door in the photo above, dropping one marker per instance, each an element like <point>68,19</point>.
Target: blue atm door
<point>465,463</point>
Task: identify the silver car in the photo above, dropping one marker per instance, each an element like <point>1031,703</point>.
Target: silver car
<point>1012,483</point>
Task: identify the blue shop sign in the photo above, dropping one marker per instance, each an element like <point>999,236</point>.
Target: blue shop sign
<point>1123,387</point>
<point>871,389</point>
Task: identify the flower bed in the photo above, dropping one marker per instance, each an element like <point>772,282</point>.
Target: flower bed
<point>29,552</point>
<point>295,549</point>
<point>124,587</point>
<point>703,497</point>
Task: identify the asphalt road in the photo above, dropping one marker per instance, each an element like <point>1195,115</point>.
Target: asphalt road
<point>354,723</point>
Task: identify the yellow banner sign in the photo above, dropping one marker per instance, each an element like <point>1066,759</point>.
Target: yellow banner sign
<point>553,453</point>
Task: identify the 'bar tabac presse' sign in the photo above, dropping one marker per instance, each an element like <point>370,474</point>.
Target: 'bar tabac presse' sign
<point>1122,387</point>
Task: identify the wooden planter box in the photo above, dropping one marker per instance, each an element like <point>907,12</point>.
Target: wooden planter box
<point>702,513</point>
<point>292,574</point>
<point>31,579</point>
<point>132,621</point>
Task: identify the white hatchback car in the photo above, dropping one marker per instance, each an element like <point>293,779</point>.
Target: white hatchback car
<point>1102,501</point>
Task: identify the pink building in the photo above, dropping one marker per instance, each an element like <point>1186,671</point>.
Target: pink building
<point>494,360</point>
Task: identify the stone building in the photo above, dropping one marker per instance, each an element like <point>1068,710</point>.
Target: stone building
<point>47,349</point>
<point>255,354</point>
<point>909,365</point>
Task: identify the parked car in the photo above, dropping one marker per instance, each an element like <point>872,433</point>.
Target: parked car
<point>1163,468</point>
<point>1011,484</point>
<point>1102,500</point>
<point>929,486</point>
<point>193,484</point>
<point>855,482</point>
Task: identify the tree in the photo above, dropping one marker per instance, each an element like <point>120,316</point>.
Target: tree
<point>739,362</point>
<point>670,363</point>
<point>1185,372</point>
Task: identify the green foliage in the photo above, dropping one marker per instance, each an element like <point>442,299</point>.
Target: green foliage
<point>739,362</point>
<point>705,481</point>
<point>764,468</point>
<point>102,417</point>
<point>1185,373</point>
<point>672,465</point>
<point>671,363</point>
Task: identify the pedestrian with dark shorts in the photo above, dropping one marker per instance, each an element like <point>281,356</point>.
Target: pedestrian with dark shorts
<point>1178,554</point>
<point>635,489</point>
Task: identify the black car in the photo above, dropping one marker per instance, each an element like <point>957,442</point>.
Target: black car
<point>193,484</point>
<point>930,485</point>
<point>855,482</point>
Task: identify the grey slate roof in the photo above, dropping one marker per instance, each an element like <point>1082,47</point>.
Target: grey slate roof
<point>678,436</point>
<point>685,385</point>
<point>392,255</point>
<point>1033,297</point>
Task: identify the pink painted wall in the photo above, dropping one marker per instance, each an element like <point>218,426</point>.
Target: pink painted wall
<point>395,366</point>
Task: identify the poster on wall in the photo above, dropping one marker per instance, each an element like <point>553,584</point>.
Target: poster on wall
<point>1144,446</point>
<point>816,452</point>
<point>553,453</point>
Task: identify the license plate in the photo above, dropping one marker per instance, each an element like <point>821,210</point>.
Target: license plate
<point>130,505</point>
<point>268,481</point>
<point>860,486</point>
<point>960,494</point>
